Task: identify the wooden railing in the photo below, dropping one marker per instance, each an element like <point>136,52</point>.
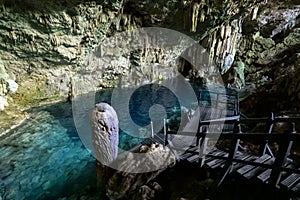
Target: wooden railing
<point>285,141</point>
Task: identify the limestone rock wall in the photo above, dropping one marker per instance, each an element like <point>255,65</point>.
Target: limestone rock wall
<point>49,41</point>
<point>44,45</point>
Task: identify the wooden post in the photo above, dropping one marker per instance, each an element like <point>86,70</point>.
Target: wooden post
<point>234,145</point>
<point>165,133</point>
<point>265,145</point>
<point>283,152</point>
<point>152,132</point>
<point>202,148</point>
<point>237,105</point>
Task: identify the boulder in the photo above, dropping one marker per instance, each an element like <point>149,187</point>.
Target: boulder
<point>130,185</point>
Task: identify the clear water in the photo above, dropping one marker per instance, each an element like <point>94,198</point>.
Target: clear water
<point>45,159</point>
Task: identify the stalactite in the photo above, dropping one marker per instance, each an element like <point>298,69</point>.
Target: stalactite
<point>222,50</point>
<point>187,16</point>
<point>118,20</point>
<point>125,20</point>
<point>195,13</point>
<point>228,35</point>
<point>218,49</point>
<point>254,12</point>
<point>233,43</point>
<point>222,32</point>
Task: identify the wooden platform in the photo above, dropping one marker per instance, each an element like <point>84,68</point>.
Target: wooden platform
<point>215,159</point>
<point>221,109</point>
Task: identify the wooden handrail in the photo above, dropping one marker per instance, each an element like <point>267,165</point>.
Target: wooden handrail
<point>258,136</point>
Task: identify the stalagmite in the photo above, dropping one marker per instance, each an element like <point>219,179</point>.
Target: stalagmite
<point>105,133</point>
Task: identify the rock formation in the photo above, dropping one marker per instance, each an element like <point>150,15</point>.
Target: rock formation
<point>133,185</point>
<point>150,160</point>
<point>105,133</point>
<point>45,45</point>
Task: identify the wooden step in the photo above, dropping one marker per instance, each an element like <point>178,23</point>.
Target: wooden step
<point>185,156</point>
<point>193,158</point>
<point>215,152</point>
<point>290,181</point>
<point>246,157</point>
<point>147,141</point>
<point>215,161</point>
<point>219,164</point>
<point>296,188</point>
<point>265,175</point>
<point>247,168</point>
<point>158,140</point>
<point>258,170</point>
<point>194,149</point>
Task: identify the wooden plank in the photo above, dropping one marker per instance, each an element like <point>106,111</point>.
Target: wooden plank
<point>193,158</point>
<point>219,165</point>
<point>220,162</point>
<point>258,170</point>
<point>185,156</point>
<point>239,155</point>
<point>290,181</point>
<point>246,157</point>
<point>147,141</point>
<point>215,152</point>
<point>158,139</point>
<point>296,188</point>
<point>213,162</point>
<point>264,176</point>
<point>247,168</point>
<point>194,149</point>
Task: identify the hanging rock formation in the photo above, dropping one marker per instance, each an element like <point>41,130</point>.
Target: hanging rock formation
<point>45,46</point>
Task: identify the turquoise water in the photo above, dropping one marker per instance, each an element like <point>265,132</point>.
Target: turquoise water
<point>44,158</point>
